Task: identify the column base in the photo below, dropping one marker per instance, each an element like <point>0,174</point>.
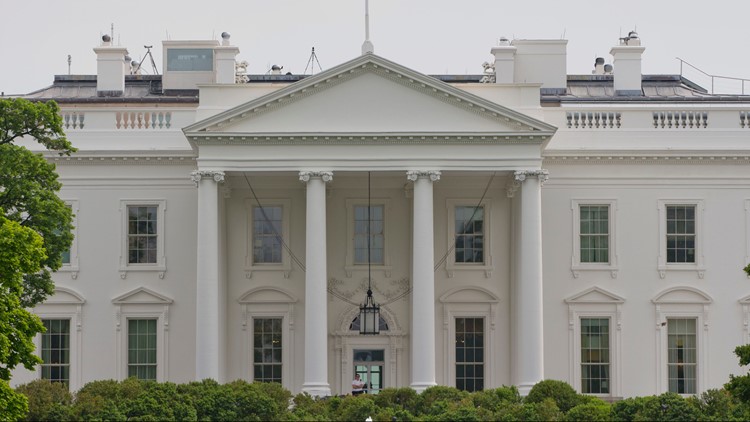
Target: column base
<point>419,387</point>
<point>524,389</point>
<point>317,390</point>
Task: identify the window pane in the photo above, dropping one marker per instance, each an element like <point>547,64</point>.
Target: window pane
<point>595,355</point>
<point>469,353</point>
<point>682,355</point>
<point>267,354</point>
<point>680,233</point>
<point>469,234</point>
<point>267,234</point>
<point>55,351</point>
<point>594,233</point>
<point>142,348</point>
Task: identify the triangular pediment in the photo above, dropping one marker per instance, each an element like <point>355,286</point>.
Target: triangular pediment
<point>142,296</point>
<point>370,95</point>
<point>595,295</point>
<point>682,295</point>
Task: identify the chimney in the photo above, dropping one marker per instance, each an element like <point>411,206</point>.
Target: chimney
<point>627,65</point>
<point>542,61</point>
<point>598,66</point>
<point>225,60</point>
<point>505,55</point>
<point>110,68</point>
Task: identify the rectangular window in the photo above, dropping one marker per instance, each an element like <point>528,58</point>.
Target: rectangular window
<point>376,233</point>
<point>469,226</point>
<point>470,354</point>
<point>595,356</point>
<point>682,355</point>
<point>594,232</point>
<point>267,245</point>
<point>267,349</point>
<point>142,348</point>
<point>190,59</point>
<point>681,233</point>
<point>142,234</point>
<point>56,350</point>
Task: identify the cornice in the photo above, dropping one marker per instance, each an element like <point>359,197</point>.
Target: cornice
<point>646,159</point>
<point>97,160</point>
<point>365,139</point>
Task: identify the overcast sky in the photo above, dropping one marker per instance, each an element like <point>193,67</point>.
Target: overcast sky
<point>430,36</point>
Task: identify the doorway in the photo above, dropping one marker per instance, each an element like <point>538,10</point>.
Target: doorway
<point>370,365</point>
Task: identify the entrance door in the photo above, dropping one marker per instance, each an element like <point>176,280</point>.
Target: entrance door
<point>370,365</point>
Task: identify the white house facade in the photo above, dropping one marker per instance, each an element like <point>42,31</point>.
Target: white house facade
<point>518,225</point>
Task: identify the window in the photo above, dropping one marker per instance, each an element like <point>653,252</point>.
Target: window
<point>142,348</point>
<point>70,256</point>
<point>380,236</point>
<point>595,355</point>
<point>594,233</point>
<point>376,234</point>
<point>681,233</point>
<point>470,354</point>
<point>469,226</point>
<point>680,240</point>
<point>594,236</point>
<point>143,236</point>
<point>682,355</point>
<point>56,350</point>
<point>190,59</point>
<point>267,350</point>
<point>267,234</point>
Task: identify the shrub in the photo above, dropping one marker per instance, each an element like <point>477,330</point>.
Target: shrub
<point>439,399</point>
<point>44,396</point>
<point>356,408</point>
<point>495,399</point>
<point>562,393</point>
<point>666,407</point>
<point>590,412</point>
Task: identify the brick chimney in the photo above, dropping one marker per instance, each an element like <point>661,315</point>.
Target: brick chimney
<point>110,68</point>
<point>627,65</point>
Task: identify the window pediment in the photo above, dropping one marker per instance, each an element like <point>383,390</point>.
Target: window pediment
<point>682,295</point>
<point>595,295</point>
<point>141,296</point>
<point>65,296</point>
<point>267,295</point>
<point>469,295</point>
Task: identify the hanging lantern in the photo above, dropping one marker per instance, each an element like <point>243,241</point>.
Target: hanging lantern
<point>369,312</point>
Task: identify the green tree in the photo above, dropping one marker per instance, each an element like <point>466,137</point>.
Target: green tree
<point>29,186</point>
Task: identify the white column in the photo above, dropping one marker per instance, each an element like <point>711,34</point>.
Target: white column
<point>208,322</point>
<point>528,318</point>
<point>316,315</point>
<point>423,282</point>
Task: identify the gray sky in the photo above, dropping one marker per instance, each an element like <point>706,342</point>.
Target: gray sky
<point>430,36</point>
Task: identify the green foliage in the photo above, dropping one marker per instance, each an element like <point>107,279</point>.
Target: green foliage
<point>562,393</point>
<point>497,398</point>
<point>590,412</point>
<point>439,399</point>
<point>21,252</point>
<point>356,408</point>
<point>13,405</point>
<point>36,120</point>
<point>45,398</point>
<point>398,398</point>
<point>666,407</point>
<point>739,386</point>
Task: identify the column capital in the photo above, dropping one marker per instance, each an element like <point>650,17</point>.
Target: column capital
<point>522,175</point>
<point>304,176</point>
<point>413,175</point>
<point>198,175</point>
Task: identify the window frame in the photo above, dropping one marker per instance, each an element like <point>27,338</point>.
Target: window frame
<point>285,265</point>
<point>610,335</point>
<point>485,325</point>
<point>156,334</point>
<point>252,320</point>
<point>72,266</point>
<point>576,265</point>
<point>160,265</point>
<point>451,266</point>
<point>596,302</point>
<point>698,266</point>
<point>350,267</point>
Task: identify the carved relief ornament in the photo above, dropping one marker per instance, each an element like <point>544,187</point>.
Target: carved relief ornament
<point>413,175</point>
<point>198,175</point>
<point>305,176</point>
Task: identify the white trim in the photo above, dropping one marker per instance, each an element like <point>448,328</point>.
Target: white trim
<point>72,266</point>
<point>747,235</point>
<point>142,303</point>
<point>596,303</point>
<point>576,265</point>
<point>285,265</point>
<point>350,267</point>
<point>268,302</point>
<point>65,304</point>
<point>698,266</point>
<point>161,261</point>
<point>451,266</point>
<point>682,302</point>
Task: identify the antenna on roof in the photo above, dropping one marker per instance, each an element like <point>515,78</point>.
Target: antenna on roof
<point>311,63</point>
<point>112,30</point>
<point>70,59</point>
<point>150,56</point>
<point>367,46</point>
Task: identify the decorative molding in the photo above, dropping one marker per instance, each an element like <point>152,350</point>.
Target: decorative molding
<point>522,175</point>
<point>197,175</point>
<point>512,138</point>
<point>597,158</point>
<point>122,160</point>
<point>390,290</point>
<point>305,176</point>
<point>413,175</point>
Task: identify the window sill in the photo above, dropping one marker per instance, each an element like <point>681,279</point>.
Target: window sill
<point>664,268</point>
<point>281,267</point>
<point>67,268</point>
<point>160,269</point>
<point>452,268</point>
<point>578,268</point>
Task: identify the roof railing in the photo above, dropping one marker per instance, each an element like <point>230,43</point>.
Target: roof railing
<point>713,77</point>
